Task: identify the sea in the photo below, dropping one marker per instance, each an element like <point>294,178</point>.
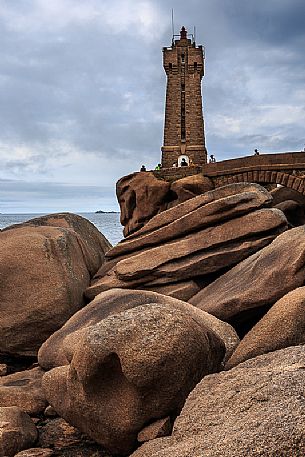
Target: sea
<point>107,223</point>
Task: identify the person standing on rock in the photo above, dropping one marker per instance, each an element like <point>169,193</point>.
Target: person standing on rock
<point>143,168</point>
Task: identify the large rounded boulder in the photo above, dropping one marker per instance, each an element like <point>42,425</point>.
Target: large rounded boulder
<point>59,348</point>
<point>282,326</point>
<point>189,187</point>
<point>95,242</point>
<point>43,274</point>
<point>259,281</point>
<point>130,369</point>
<point>256,409</point>
<point>141,196</point>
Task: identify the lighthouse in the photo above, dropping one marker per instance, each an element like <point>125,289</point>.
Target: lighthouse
<point>184,125</point>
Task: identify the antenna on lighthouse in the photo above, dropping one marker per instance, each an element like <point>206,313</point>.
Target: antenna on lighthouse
<point>173,28</point>
<point>194,34</point>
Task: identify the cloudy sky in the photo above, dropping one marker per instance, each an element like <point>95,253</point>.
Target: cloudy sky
<point>82,90</point>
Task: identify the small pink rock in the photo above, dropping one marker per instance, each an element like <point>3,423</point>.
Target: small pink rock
<point>3,369</point>
<point>157,429</point>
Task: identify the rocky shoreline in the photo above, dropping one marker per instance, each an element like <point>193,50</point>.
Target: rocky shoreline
<point>185,339</point>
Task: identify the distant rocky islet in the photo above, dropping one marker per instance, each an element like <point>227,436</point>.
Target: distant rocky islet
<point>99,211</point>
<point>186,338</point>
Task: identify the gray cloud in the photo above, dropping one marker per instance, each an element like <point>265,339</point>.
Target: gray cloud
<point>82,88</point>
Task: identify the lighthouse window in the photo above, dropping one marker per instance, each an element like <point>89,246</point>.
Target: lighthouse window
<point>195,66</point>
<point>182,58</point>
<point>183,134</point>
<point>183,112</point>
<point>170,67</point>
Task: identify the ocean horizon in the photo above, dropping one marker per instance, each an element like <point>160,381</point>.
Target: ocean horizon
<point>107,223</point>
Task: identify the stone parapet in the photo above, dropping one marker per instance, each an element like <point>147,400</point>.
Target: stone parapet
<point>173,174</point>
<point>280,161</point>
<point>264,168</point>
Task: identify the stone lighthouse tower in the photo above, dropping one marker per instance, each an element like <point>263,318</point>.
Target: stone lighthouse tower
<point>184,127</point>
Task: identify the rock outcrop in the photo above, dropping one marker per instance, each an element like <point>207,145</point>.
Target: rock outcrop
<point>201,212</point>
<point>260,280</point>
<point>140,196</point>
<point>58,434</point>
<point>44,272</point>
<point>157,429</point>
<point>122,365</point>
<point>294,212</point>
<point>196,254</point>
<point>45,266</point>
<point>36,452</point>
<point>183,290</point>
<point>120,379</point>
<point>24,390</point>
<point>185,188</point>
<point>204,235</point>
<point>282,194</point>
<point>58,350</point>
<point>254,409</point>
<point>282,326</point>
<point>17,431</point>
<point>94,241</point>
<point>204,252</point>
<point>66,441</point>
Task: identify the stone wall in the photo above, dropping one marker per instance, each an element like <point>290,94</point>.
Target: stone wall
<point>173,174</point>
<point>264,168</point>
<point>275,162</point>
